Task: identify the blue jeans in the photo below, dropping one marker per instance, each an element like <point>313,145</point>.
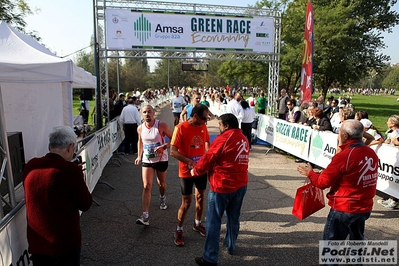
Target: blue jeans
<point>218,204</point>
<point>341,224</point>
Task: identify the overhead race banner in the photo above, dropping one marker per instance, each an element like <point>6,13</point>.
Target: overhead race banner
<point>126,29</point>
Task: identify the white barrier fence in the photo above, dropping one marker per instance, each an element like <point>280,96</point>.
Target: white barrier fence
<point>96,150</point>
<point>319,147</point>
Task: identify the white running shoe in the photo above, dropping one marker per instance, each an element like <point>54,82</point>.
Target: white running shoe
<point>162,204</point>
<point>143,221</point>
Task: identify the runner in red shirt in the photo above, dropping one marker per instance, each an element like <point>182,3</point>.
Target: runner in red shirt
<point>190,141</point>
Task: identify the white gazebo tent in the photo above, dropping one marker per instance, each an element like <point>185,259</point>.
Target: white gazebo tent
<point>36,88</point>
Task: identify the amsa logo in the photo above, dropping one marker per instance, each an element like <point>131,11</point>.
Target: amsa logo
<point>142,29</point>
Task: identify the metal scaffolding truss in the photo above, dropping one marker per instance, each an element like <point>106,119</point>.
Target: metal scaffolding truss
<point>209,55</point>
<point>160,6</point>
<point>105,54</point>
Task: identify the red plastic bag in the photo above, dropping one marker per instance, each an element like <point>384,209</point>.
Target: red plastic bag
<point>308,200</point>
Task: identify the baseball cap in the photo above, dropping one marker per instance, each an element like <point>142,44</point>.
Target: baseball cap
<point>121,94</point>
<point>366,123</point>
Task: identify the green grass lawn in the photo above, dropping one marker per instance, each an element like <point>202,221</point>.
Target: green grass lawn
<point>379,108</point>
<point>76,105</point>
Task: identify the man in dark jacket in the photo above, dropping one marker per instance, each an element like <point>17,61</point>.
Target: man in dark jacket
<point>119,104</point>
<point>55,192</point>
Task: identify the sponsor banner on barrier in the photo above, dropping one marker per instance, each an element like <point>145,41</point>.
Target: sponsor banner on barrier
<point>90,155</point>
<point>388,169</point>
<point>104,145</point>
<point>97,152</point>
<point>265,130</point>
<point>14,245</point>
<point>291,137</point>
<point>323,146</point>
<point>319,147</point>
<point>117,134</point>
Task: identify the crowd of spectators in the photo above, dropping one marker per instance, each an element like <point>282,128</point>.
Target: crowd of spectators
<point>320,114</point>
<point>330,115</point>
<point>363,91</point>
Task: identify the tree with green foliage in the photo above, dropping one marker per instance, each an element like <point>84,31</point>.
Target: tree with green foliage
<point>85,60</point>
<point>170,70</point>
<point>134,73</point>
<point>347,38</point>
<point>392,79</point>
<point>211,77</point>
<point>14,12</point>
<point>244,73</point>
<point>293,21</point>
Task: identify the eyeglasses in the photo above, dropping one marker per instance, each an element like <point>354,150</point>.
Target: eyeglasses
<point>204,118</point>
<point>289,104</point>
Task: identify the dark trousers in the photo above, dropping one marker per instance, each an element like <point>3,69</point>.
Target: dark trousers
<point>247,131</point>
<point>70,259</point>
<point>85,115</point>
<point>131,137</point>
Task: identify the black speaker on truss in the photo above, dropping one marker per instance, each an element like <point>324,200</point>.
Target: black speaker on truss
<point>87,94</point>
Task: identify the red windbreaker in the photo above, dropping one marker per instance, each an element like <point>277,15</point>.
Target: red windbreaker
<point>226,161</point>
<point>352,176</point>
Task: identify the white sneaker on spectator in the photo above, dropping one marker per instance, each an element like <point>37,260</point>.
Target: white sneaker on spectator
<point>390,204</point>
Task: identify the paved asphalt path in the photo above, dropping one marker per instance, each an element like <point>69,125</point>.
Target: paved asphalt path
<point>269,233</point>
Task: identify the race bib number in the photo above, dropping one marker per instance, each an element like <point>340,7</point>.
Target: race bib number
<point>149,150</point>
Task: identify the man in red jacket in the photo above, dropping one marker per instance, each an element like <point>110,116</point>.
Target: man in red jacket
<point>226,162</point>
<point>55,192</point>
<point>352,177</point>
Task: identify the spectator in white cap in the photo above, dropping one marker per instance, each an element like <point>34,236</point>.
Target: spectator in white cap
<point>369,128</point>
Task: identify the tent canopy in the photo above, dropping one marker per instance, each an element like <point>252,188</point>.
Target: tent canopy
<point>24,60</point>
<point>36,88</point>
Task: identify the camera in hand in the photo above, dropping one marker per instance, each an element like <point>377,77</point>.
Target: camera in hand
<point>77,160</point>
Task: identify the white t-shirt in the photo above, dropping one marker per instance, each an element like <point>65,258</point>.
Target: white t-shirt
<point>177,104</point>
<point>235,108</point>
<point>374,133</point>
<point>248,115</point>
<point>393,135</point>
